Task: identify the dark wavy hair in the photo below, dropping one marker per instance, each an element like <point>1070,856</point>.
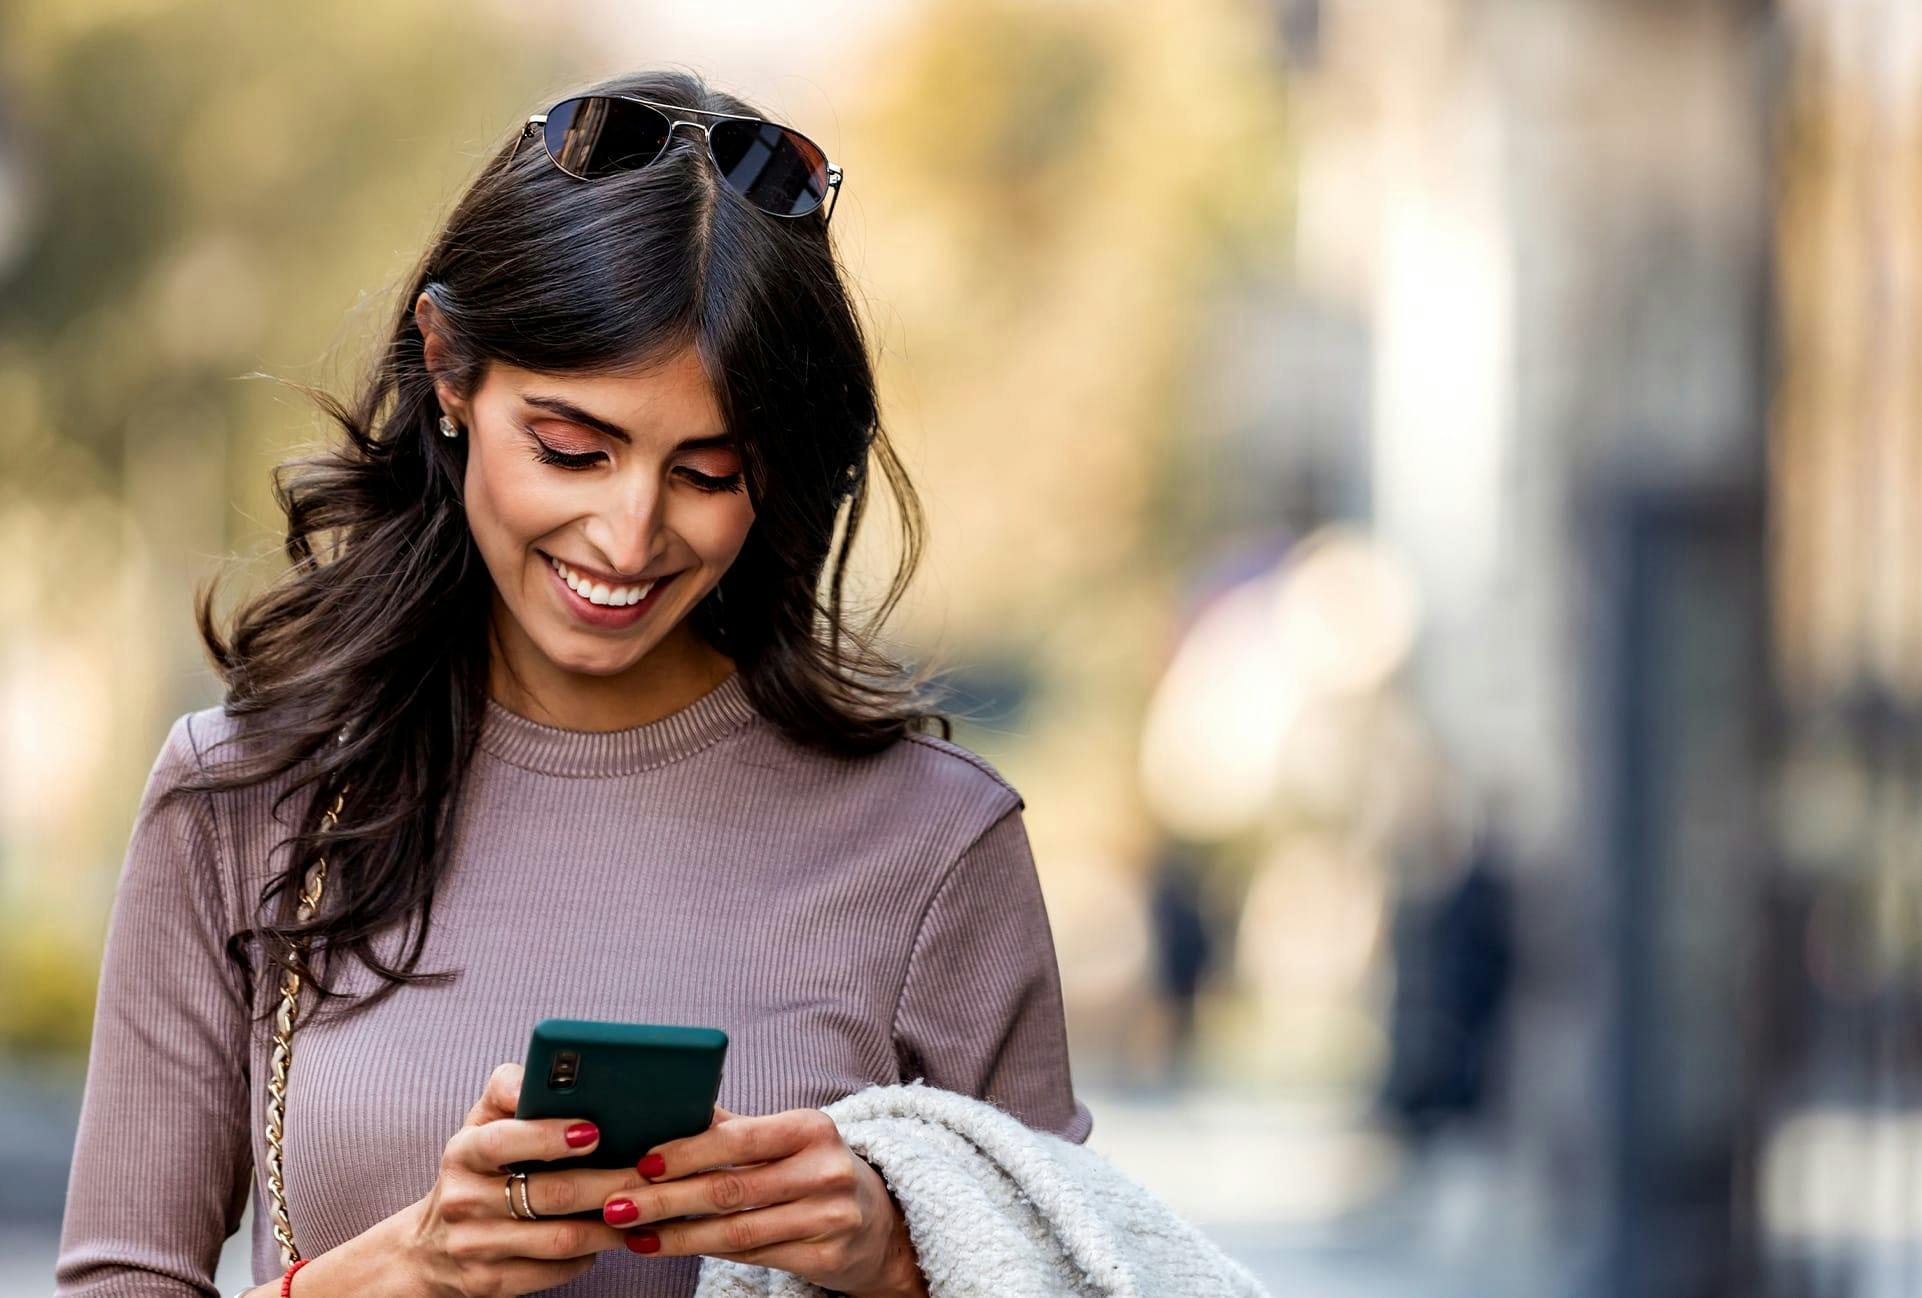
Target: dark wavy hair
<point>346,685</point>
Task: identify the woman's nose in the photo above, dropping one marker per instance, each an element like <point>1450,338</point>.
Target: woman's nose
<point>628,541</point>
<point>629,551</point>
<point>630,522</point>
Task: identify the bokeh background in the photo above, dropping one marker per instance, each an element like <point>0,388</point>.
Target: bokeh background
<point>1424,505</point>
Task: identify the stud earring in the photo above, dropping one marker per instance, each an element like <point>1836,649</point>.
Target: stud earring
<point>448,428</point>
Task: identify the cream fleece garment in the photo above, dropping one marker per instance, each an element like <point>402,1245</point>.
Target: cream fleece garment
<point>997,1209</point>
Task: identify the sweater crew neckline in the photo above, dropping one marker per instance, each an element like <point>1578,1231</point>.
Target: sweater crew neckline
<point>527,743</point>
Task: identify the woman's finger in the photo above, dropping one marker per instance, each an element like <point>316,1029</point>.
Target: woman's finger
<point>734,1189</point>
<point>747,1140</point>
<point>488,1148</point>
<point>500,1096</point>
<point>584,1189</point>
<point>785,1235</point>
<point>556,1240</point>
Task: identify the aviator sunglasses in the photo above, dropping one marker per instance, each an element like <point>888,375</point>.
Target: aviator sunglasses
<point>777,169</point>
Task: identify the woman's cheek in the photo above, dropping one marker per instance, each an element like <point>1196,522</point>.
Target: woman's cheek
<point>523,499</point>
<point>719,532</point>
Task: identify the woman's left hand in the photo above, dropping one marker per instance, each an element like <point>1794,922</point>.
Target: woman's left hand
<point>787,1193</point>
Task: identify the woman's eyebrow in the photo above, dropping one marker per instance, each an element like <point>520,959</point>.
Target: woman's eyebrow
<point>568,410</point>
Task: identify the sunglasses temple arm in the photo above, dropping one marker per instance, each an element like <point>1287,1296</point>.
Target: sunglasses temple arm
<point>527,129</point>
<point>833,198</point>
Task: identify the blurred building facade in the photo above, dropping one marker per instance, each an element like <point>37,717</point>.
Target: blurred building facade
<point>1540,232</point>
<point>1634,287</point>
<point>1841,1167</point>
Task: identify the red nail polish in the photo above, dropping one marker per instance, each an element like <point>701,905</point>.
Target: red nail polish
<point>582,1133</point>
<point>643,1241</point>
<point>619,1212</point>
<point>652,1165</point>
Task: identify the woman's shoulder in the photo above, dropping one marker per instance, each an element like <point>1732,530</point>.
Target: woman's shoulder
<point>180,757</point>
<point>202,744</point>
<point>202,740</point>
<point>919,780</point>
<point>182,760</point>
<point>947,763</point>
<point>180,849</point>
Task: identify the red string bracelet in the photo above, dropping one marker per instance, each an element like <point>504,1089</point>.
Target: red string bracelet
<point>286,1281</point>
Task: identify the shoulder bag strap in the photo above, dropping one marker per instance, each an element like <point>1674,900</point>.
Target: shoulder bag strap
<point>283,1052</point>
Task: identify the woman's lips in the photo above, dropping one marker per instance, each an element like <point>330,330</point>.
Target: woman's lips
<point>606,615</point>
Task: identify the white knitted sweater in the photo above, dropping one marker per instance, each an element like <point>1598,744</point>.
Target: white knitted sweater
<point>997,1209</point>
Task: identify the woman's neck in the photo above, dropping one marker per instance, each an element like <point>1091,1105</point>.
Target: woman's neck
<point>677,671</point>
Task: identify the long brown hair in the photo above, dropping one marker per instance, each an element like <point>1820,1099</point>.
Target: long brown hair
<point>344,684</point>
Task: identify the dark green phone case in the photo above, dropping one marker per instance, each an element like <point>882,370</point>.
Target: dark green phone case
<point>640,1083</point>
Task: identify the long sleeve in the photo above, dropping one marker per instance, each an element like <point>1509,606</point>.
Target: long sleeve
<point>980,1010</point>
<point>161,1164</point>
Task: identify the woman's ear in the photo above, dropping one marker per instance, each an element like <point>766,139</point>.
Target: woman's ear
<point>430,322</point>
<point>427,317</point>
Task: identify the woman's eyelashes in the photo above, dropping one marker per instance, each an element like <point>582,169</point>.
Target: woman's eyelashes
<point>548,455</point>
<point>587,460</point>
<point>706,482</point>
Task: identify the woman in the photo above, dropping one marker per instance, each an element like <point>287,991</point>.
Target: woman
<point>552,645</point>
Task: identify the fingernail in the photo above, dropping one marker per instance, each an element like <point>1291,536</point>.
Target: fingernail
<point>582,1133</point>
<point>620,1211</point>
<point>652,1165</point>
<point>643,1241</point>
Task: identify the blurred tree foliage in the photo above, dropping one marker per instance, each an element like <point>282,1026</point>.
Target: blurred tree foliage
<point>1058,197</point>
<point>1054,193</point>
<point>203,178</point>
<point>200,190</point>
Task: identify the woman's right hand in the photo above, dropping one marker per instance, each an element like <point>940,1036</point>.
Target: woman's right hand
<point>461,1242</point>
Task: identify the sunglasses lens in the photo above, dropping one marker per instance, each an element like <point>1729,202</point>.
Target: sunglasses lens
<point>595,135</point>
<point>771,166</point>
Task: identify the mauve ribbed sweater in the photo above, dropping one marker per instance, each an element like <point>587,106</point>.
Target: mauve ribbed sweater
<point>846,921</point>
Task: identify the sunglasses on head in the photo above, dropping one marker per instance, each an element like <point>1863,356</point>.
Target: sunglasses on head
<point>777,169</point>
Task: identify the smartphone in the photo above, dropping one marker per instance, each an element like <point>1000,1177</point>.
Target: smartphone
<point>640,1083</point>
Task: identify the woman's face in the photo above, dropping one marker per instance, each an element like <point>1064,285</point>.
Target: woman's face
<point>630,482</point>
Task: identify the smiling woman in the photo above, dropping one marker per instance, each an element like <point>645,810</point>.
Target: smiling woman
<point>605,508</point>
<point>559,690</point>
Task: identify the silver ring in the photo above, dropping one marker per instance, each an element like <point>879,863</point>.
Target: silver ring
<point>526,1210</point>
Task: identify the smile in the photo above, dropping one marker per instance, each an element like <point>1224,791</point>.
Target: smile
<point>599,592</point>
<point>599,604</point>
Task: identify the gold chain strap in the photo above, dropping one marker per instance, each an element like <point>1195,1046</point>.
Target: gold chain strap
<point>284,1052</point>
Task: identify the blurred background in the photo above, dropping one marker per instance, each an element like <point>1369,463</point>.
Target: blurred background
<point>1424,506</point>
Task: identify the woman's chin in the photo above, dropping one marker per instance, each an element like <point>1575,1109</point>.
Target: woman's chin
<point>596,659</point>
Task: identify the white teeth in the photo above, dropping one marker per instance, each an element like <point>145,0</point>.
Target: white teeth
<point>599,592</point>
